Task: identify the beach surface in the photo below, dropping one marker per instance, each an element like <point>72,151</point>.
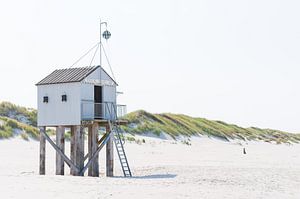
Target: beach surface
<point>162,168</point>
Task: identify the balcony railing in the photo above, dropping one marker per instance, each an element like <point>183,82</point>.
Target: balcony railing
<point>106,110</point>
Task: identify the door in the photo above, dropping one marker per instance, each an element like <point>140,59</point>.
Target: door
<point>98,102</point>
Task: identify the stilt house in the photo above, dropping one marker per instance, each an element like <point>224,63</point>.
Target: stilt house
<point>80,99</point>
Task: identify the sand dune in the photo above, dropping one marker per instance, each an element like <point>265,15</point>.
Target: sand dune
<point>162,169</point>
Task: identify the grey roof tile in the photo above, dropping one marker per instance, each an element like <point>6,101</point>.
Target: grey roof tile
<point>67,75</point>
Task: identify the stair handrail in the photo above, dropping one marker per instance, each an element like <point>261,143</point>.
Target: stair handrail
<point>119,131</point>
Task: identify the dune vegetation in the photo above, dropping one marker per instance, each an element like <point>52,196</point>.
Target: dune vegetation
<point>19,113</point>
<point>20,121</point>
<point>17,121</point>
<point>11,128</point>
<point>142,122</point>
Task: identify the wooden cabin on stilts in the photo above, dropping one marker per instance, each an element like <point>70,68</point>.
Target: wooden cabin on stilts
<point>83,100</point>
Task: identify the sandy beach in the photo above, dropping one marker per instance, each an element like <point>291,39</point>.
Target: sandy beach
<point>208,168</point>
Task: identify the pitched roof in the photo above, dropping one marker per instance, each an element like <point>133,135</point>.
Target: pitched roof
<point>68,75</point>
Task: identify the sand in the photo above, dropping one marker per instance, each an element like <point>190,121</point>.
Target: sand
<point>162,169</point>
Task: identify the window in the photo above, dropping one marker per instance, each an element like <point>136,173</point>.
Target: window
<point>64,98</point>
<point>46,99</point>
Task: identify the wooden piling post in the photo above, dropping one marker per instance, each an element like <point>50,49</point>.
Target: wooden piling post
<point>94,148</point>
<point>72,150</point>
<point>77,148</point>
<point>109,154</point>
<point>90,137</point>
<point>60,142</point>
<point>80,147</point>
<point>93,145</point>
<point>42,169</point>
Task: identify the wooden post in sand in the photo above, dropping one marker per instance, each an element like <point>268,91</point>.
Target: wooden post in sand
<point>109,154</point>
<point>60,142</point>
<point>90,151</point>
<point>93,146</point>
<point>42,169</point>
<point>77,148</point>
<point>72,150</point>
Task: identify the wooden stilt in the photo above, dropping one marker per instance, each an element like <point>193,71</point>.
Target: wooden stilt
<point>80,148</point>
<point>72,151</point>
<point>60,142</point>
<point>42,169</point>
<point>93,145</point>
<point>95,164</point>
<point>90,152</point>
<point>77,148</point>
<point>109,154</point>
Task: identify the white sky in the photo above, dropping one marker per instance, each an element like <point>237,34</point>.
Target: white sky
<point>235,60</point>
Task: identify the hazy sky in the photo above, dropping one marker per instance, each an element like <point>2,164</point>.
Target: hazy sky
<point>234,60</point>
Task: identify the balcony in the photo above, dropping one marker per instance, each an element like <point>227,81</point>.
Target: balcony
<point>103,111</point>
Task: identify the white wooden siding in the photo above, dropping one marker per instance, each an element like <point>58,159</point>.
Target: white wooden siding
<point>56,112</point>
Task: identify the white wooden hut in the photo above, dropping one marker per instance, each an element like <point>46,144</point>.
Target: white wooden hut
<point>79,99</point>
<point>69,96</point>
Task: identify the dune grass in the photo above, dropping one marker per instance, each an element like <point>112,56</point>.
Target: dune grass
<point>14,117</point>
<point>5,131</point>
<point>10,110</point>
<point>141,122</point>
<point>9,125</point>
